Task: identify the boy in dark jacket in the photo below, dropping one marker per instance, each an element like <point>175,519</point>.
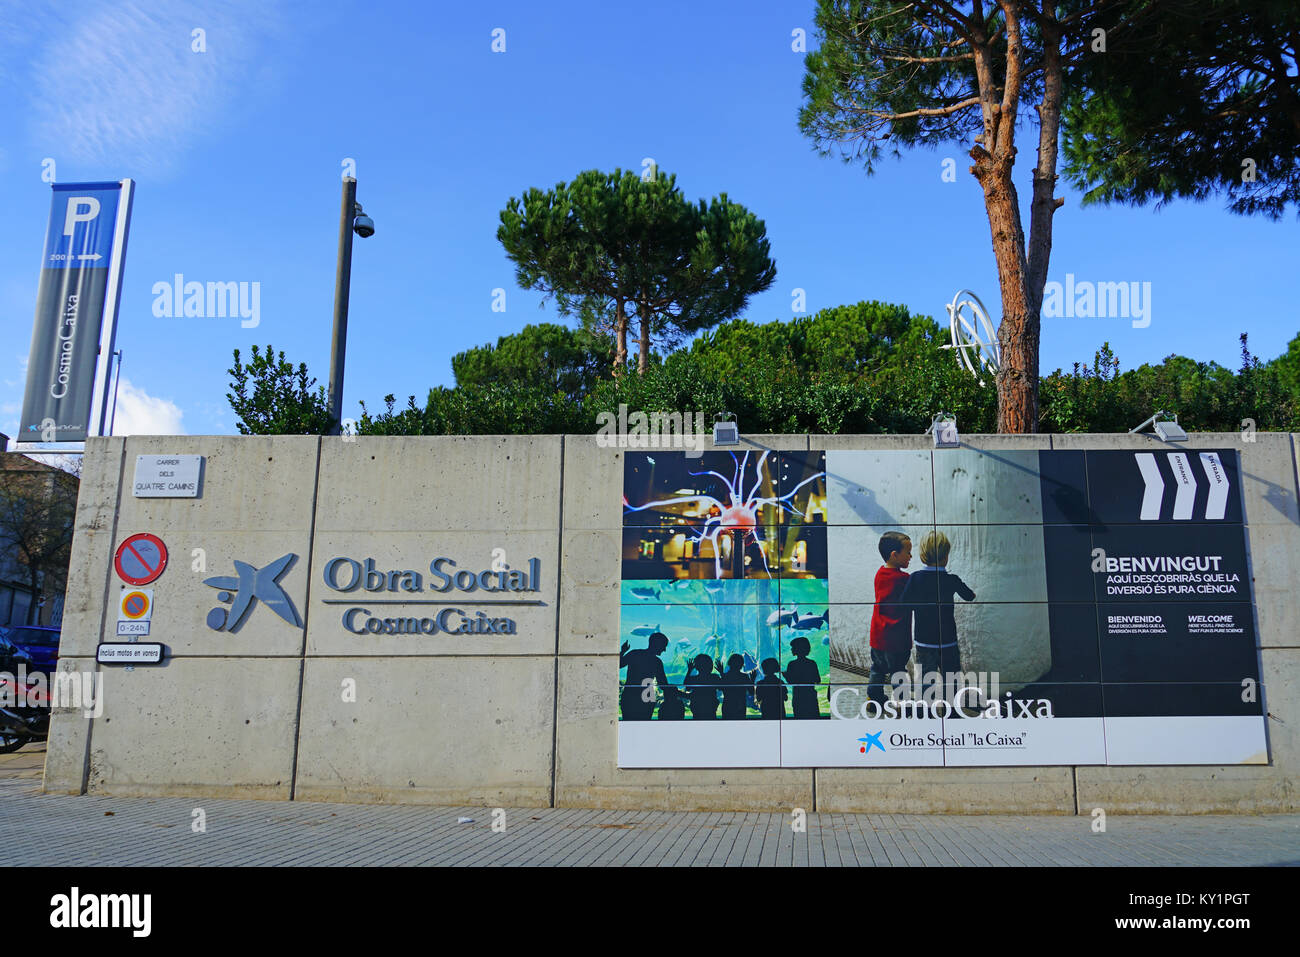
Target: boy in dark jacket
<point>930,593</point>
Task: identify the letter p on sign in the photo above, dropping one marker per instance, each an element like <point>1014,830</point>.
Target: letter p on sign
<point>74,214</point>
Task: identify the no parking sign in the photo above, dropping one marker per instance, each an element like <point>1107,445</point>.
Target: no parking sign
<point>140,559</point>
<point>134,611</point>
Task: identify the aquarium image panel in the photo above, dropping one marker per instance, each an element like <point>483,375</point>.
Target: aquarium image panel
<point>704,660</point>
<point>691,551</point>
<point>708,591</point>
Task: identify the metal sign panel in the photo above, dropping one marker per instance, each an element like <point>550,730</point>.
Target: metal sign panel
<point>955,608</point>
<point>136,605</point>
<point>140,559</point>
<point>167,476</point>
<point>81,273</point>
<point>129,653</point>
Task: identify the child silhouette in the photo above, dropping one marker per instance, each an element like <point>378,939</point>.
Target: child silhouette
<point>703,688</point>
<point>644,668</point>
<point>771,691</point>
<point>673,707</point>
<point>804,677</point>
<point>736,686</point>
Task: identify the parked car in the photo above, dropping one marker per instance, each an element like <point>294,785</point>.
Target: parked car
<point>24,710</point>
<point>39,644</point>
<point>10,656</point>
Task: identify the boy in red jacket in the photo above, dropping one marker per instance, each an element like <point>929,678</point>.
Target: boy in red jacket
<point>891,622</point>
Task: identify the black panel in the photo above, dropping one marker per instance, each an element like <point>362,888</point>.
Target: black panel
<point>1117,488</point>
<point>1067,550</point>
<point>1178,700</point>
<point>1063,478</point>
<point>1177,643</point>
<point>1162,563</point>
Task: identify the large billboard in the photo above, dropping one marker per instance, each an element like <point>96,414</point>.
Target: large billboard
<point>953,607</point>
<point>81,271</point>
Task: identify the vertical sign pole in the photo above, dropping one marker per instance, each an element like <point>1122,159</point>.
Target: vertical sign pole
<point>112,299</point>
<point>112,416</point>
<point>342,287</point>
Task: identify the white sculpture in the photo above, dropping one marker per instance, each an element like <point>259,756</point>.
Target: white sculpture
<point>974,338</point>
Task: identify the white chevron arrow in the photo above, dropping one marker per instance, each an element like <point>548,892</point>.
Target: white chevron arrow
<point>1186,494</point>
<point>1155,486</point>
<point>1217,506</point>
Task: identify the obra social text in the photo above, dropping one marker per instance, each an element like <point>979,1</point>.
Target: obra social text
<point>348,575</point>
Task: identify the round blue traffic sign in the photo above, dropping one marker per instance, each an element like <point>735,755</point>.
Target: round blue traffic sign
<point>140,559</point>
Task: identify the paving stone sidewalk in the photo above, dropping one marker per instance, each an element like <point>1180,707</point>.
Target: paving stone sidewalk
<point>92,830</point>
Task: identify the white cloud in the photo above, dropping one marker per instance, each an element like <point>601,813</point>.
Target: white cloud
<point>18,383</point>
<point>120,83</point>
<point>139,413</point>
<point>12,402</point>
<point>69,462</point>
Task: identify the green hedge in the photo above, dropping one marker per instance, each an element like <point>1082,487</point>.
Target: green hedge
<point>869,368</point>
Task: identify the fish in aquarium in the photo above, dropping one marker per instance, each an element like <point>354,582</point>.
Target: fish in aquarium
<point>713,587</point>
<point>645,630</point>
<point>646,593</point>
<point>783,616</point>
<point>811,622</point>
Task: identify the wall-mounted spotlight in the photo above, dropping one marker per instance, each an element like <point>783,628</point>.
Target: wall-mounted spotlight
<point>725,429</point>
<point>1166,429</point>
<point>944,430</point>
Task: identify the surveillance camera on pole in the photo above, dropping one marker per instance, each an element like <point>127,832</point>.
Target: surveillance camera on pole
<point>351,219</point>
<point>364,225</point>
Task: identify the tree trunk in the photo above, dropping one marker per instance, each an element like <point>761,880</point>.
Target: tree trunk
<point>643,360</point>
<point>1043,205</point>
<point>1018,332</point>
<point>620,338</point>
<point>34,609</point>
<point>995,159</point>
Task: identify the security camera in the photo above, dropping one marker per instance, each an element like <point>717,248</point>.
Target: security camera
<point>362,225</point>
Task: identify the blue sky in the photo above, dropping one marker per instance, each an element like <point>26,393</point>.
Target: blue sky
<point>238,151</point>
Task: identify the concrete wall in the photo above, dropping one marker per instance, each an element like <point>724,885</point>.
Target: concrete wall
<point>316,713</point>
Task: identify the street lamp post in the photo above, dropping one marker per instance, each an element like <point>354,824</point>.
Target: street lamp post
<point>351,218</point>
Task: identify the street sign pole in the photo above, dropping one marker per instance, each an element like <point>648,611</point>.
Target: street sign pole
<point>342,288</point>
<point>108,332</point>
